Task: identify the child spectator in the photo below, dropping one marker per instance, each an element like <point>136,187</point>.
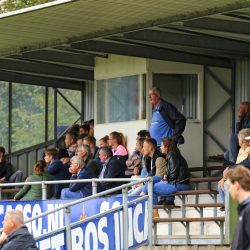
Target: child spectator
<point>74,128</point>
<point>104,141</point>
<point>57,169</point>
<point>84,129</point>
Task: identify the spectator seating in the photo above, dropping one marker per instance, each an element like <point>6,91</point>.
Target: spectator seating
<point>8,193</point>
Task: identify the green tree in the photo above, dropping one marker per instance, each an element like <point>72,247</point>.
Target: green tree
<point>10,5</point>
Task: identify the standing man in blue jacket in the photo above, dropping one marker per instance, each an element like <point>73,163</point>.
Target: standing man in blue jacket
<point>81,189</point>
<point>57,169</point>
<point>167,121</point>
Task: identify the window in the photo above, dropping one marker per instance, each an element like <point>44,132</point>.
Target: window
<point>181,90</point>
<point>121,99</point>
<point>66,115</point>
<point>4,114</point>
<point>28,116</point>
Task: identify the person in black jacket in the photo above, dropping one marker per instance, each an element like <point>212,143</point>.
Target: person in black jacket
<point>177,178</point>
<point>79,171</point>
<point>239,189</point>
<point>112,168</point>
<point>57,169</point>
<point>6,175</point>
<point>156,162</point>
<point>15,234</point>
<point>93,165</point>
<point>167,121</point>
<point>91,141</point>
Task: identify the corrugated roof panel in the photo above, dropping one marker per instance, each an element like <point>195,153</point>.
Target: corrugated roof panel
<point>40,27</point>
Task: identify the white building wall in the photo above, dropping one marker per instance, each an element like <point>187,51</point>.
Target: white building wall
<point>192,150</point>
<point>112,67</point>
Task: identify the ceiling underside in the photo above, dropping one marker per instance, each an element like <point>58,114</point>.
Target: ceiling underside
<point>56,43</point>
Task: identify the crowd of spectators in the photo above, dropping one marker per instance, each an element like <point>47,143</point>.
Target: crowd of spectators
<point>83,159</point>
<point>156,154</point>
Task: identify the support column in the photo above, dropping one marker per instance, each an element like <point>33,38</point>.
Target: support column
<point>10,117</point>
<point>233,75</point>
<point>55,117</point>
<point>82,101</point>
<point>46,112</point>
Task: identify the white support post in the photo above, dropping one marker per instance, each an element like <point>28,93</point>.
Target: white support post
<point>227,214</point>
<point>150,213</point>
<point>68,229</point>
<point>125,218</point>
<point>94,187</point>
<point>44,191</point>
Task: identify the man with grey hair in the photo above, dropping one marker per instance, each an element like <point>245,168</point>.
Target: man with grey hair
<point>15,234</point>
<point>78,171</point>
<point>84,152</point>
<point>167,121</point>
<point>112,168</point>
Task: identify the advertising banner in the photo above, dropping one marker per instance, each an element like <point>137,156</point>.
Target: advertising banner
<point>104,232</point>
<point>57,220</point>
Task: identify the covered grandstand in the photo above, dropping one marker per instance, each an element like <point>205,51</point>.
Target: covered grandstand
<point>74,60</point>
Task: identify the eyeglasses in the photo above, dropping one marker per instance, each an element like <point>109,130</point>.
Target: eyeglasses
<point>152,94</point>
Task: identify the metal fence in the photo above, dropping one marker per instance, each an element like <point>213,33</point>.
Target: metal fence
<point>124,206</point>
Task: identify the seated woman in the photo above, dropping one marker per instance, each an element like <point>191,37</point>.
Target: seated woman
<point>34,192</point>
<point>243,154</point>
<point>117,142</point>
<point>177,178</point>
<point>104,141</point>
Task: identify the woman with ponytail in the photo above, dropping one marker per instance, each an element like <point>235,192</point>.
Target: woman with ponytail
<point>34,192</point>
<point>117,142</point>
<point>177,178</point>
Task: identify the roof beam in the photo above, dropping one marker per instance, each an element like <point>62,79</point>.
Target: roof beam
<point>46,69</point>
<point>219,25</point>
<point>61,57</point>
<point>33,80</point>
<point>197,41</point>
<point>152,53</point>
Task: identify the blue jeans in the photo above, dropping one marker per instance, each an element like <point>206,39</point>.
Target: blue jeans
<point>232,154</point>
<point>66,194</point>
<point>163,188</point>
<point>144,173</point>
<point>133,192</point>
<point>222,194</point>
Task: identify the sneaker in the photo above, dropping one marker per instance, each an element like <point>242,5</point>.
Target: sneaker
<point>222,209</point>
<point>169,202</point>
<point>156,216</point>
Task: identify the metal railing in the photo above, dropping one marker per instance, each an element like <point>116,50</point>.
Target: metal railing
<point>45,183</point>
<point>124,206</point>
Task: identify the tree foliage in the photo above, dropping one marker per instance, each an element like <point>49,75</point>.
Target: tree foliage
<point>28,114</point>
<point>10,5</point>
